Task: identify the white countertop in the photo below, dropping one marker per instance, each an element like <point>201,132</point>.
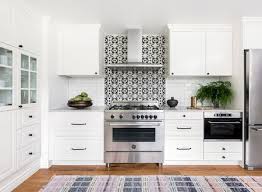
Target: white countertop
<point>70,109</point>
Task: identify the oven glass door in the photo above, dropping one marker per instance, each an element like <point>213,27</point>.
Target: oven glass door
<point>227,128</point>
<point>134,136</point>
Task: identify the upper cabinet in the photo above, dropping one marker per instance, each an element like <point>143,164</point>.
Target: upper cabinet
<point>79,49</point>
<point>200,50</point>
<point>252,30</point>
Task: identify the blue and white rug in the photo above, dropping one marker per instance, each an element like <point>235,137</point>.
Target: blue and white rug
<point>156,183</point>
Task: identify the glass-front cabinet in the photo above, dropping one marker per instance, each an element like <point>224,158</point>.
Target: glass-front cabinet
<point>7,72</point>
<point>28,79</point>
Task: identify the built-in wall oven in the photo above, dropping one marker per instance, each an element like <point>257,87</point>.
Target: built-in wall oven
<point>223,125</point>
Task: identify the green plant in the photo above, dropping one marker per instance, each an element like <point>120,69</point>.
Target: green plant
<point>217,92</point>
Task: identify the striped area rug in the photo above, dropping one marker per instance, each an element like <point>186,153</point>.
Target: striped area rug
<point>156,183</point>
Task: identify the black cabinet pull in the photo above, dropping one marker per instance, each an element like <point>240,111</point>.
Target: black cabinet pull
<point>223,157</point>
<point>172,73</point>
<point>20,106</point>
<point>30,116</point>
<point>184,127</point>
<point>184,149</point>
<point>208,73</point>
<point>78,149</point>
<point>184,115</point>
<point>30,135</point>
<point>20,46</point>
<point>223,148</point>
<point>78,123</point>
<point>95,73</point>
<point>30,153</point>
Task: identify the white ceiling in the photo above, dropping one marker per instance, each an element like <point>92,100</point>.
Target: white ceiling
<point>153,15</point>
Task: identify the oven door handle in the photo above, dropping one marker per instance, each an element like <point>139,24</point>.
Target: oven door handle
<point>224,122</point>
<point>135,124</point>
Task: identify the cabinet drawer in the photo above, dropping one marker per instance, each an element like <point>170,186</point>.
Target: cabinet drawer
<point>184,128</point>
<point>28,117</point>
<point>76,149</point>
<point>222,147</point>
<point>222,156</point>
<point>184,115</point>
<point>184,150</point>
<point>28,154</point>
<point>28,135</point>
<point>82,124</point>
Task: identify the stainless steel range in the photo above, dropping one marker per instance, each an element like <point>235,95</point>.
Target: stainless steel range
<point>134,133</point>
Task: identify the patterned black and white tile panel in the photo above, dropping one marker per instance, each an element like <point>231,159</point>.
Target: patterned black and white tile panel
<point>135,84</point>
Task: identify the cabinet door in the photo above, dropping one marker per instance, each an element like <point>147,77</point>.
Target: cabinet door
<point>187,53</point>
<point>79,50</point>
<point>252,30</point>
<point>28,30</point>
<point>7,25</point>
<point>7,73</point>
<point>219,53</point>
<point>7,143</point>
<point>28,79</point>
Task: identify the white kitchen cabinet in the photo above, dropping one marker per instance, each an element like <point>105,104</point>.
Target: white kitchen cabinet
<point>187,53</point>
<point>7,32</point>
<point>7,143</point>
<point>219,53</point>
<point>252,30</point>
<point>79,50</point>
<point>77,137</point>
<point>200,50</point>
<point>28,30</point>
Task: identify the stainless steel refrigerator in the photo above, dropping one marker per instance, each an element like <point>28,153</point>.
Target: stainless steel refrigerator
<point>253,108</point>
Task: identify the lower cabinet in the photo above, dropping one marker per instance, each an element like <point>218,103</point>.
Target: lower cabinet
<point>7,143</point>
<point>77,137</point>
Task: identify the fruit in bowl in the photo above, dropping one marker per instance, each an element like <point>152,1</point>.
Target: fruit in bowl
<point>80,101</point>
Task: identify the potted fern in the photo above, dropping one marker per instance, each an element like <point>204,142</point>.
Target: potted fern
<point>219,93</point>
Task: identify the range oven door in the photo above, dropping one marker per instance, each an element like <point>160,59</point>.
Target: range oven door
<point>223,128</point>
<point>134,136</point>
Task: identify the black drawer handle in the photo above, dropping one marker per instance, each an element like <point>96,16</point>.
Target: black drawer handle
<point>78,123</point>
<point>184,127</point>
<point>78,149</point>
<point>184,115</point>
<point>30,116</point>
<point>30,135</point>
<point>223,148</point>
<point>184,149</point>
<point>20,106</point>
<point>30,153</point>
<point>20,46</point>
<point>223,157</point>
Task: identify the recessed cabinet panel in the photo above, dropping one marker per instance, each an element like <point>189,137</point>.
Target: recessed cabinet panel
<point>187,53</point>
<point>219,53</point>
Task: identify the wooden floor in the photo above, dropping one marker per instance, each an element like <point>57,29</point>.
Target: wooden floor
<point>41,178</point>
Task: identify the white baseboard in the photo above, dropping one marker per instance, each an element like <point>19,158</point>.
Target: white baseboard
<point>19,177</point>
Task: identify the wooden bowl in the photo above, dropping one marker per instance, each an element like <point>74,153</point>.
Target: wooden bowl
<point>79,104</point>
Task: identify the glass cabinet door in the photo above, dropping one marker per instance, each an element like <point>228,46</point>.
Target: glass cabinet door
<point>6,76</point>
<point>28,79</point>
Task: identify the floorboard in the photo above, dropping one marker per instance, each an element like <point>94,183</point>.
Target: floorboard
<point>41,178</point>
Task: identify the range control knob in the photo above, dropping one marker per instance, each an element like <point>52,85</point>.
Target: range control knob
<point>138,116</point>
<point>155,117</point>
<point>121,116</point>
<point>133,146</point>
<point>142,116</point>
<point>112,116</point>
<point>146,116</point>
<point>134,117</point>
<point>150,116</point>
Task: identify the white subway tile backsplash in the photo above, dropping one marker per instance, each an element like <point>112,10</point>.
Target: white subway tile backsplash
<point>93,86</point>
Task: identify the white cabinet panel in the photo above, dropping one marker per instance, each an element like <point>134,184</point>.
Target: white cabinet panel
<point>183,150</point>
<point>78,149</point>
<point>79,50</point>
<point>219,53</point>
<point>222,156</point>
<point>252,30</point>
<point>184,128</point>
<point>187,53</point>
<point>7,143</point>
<point>222,147</point>
<point>183,115</point>
<point>28,154</point>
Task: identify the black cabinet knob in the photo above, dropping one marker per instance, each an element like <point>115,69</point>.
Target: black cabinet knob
<point>95,73</point>
<point>184,115</point>
<point>223,148</point>
<point>20,46</point>
<point>208,73</point>
<point>30,135</point>
<point>223,157</point>
<point>20,106</point>
<point>172,73</point>
<point>30,116</point>
<point>30,153</point>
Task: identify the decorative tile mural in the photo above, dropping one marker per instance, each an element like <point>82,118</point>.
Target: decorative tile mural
<point>135,84</point>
